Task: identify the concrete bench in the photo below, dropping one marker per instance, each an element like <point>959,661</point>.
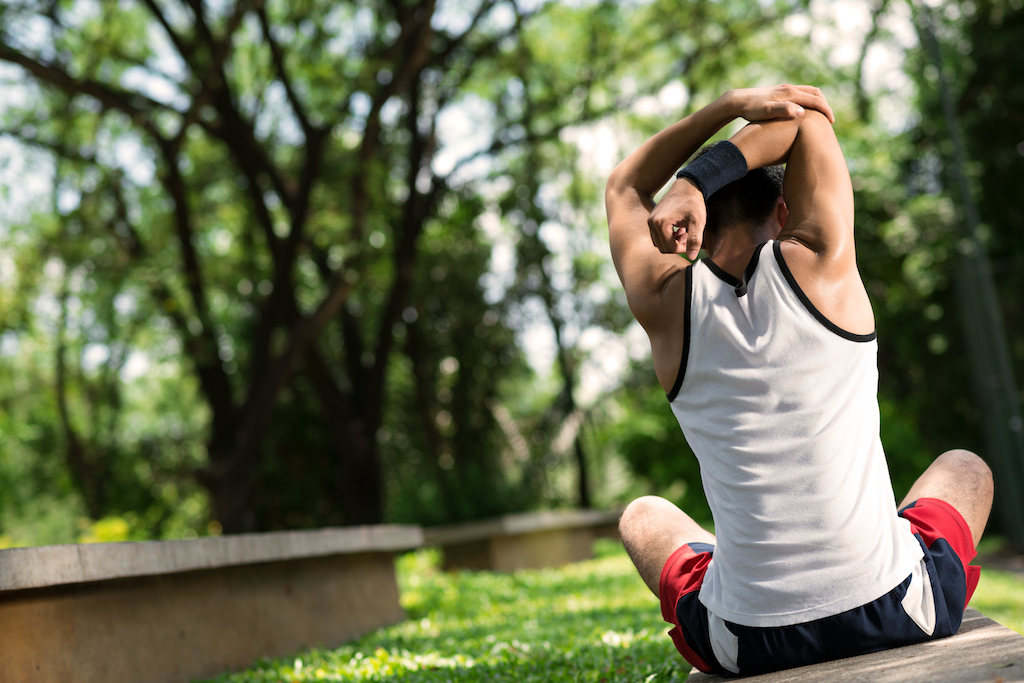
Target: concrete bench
<point>533,540</point>
<point>982,651</point>
<point>171,611</point>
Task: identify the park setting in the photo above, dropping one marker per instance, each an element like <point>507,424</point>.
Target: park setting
<point>319,344</point>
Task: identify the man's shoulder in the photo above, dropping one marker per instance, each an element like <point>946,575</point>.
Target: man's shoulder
<point>829,284</point>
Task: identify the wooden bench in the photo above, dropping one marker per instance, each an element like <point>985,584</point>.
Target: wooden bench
<point>533,540</point>
<point>982,651</point>
<point>171,611</point>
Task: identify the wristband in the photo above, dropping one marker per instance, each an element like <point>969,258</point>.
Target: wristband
<point>722,164</point>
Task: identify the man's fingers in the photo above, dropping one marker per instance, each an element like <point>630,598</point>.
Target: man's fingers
<point>811,98</point>
<point>694,240</point>
<point>666,234</point>
<point>676,242</point>
<point>661,235</point>
<point>784,101</point>
<point>789,110</point>
<point>675,219</point>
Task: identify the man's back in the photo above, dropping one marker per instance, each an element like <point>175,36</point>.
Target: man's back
<point>779,406</point>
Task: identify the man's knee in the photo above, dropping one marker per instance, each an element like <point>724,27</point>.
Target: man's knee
<point>642,512</point>
<point>969,470</point>
<point>648,534</point>
<point>963,480</point>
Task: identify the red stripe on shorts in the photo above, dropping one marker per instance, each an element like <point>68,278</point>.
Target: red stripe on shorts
<point>935,519</point>
<point>682,574</point>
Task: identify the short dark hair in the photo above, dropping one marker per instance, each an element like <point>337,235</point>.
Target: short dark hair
<point>750,199</point>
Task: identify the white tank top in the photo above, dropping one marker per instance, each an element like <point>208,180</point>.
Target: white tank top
<point>780,407</point>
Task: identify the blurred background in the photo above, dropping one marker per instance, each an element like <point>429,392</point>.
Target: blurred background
<point>271,264</point>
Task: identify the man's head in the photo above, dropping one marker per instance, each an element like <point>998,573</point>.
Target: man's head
<point>749,201</point>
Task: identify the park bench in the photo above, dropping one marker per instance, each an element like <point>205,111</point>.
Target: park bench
<point>532,540</point>
<point>982,651</point>
<point>171,611</point>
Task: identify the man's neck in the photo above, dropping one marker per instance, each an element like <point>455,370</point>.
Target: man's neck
<point>733,248</point>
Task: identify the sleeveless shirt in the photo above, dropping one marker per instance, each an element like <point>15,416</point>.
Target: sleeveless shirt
<point>780,407</point>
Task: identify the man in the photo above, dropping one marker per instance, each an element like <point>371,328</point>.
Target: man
<point>766,349</point>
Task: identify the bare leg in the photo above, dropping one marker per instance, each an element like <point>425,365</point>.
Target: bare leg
<point>652,529</point>
<point>963,480</point>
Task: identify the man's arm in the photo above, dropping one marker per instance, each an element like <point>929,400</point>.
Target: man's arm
<point>639,247</point>
<point>629,197</point>
<point>817,238</point>
<point>817,187</point>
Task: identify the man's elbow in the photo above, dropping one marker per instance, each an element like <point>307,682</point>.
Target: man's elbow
<point>816,130</point>
<point>621,185</point>
<point>616,181</point>
<point>814,118</point>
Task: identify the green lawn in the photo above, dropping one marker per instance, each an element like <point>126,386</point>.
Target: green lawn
<point>591,621</point>
<point>1000,596</point>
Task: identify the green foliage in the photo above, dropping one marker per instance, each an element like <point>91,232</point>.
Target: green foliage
<point>219,176</point>
<point>214,189</point>
<point>440,442</point>
<point>650,441</point>
<point>907,452</point>
<point>592,621</point>
<point>214,176</point>
<point>925,366</point>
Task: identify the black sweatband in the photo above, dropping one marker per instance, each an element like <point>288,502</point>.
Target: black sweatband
<point>722,164</point>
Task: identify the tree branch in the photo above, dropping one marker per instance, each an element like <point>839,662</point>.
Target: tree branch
<point>263,398</point>
<point>138,107</point>
<point>186,50</point>
<point>413,66</point>
<point>278,58</point>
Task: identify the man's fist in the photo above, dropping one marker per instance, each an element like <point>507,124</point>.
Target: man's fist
<point>677,222</point>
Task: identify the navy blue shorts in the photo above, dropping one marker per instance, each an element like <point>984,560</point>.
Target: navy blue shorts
<point>879,625</point>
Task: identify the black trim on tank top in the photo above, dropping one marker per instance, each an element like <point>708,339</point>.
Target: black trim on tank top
<point>788,274</point>
<point>686,335</point>
<point>739,285</point>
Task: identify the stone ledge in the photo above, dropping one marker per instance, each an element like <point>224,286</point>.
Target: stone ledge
<point>532,540</point>
<point>982,651</point>
<point>523,523</point>
<point>39,567</point>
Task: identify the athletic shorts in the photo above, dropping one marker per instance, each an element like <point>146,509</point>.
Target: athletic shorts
<point>905,615</point>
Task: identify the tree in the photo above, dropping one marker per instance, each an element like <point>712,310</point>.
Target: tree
<point>287,203</point>
<point>292,182</point>
<point>991,359</point>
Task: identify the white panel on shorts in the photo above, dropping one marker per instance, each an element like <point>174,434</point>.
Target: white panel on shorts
<point>919,602</point>
<point>724,643</point>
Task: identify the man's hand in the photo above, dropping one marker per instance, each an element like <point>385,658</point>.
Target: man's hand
<point>677,222</point>
<point>777,102</point>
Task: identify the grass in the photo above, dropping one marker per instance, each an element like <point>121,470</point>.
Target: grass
<point>1000,596</point>
<point>591,621</point>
